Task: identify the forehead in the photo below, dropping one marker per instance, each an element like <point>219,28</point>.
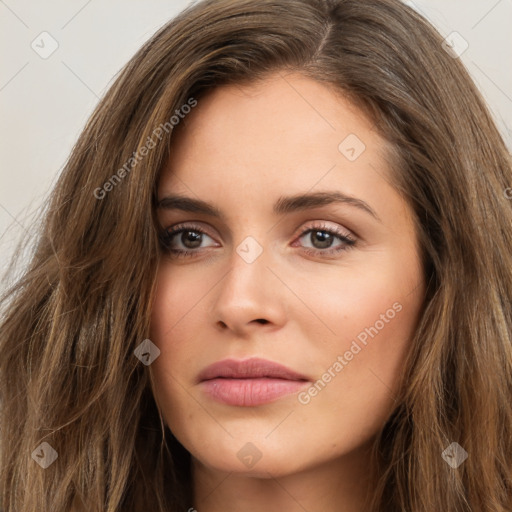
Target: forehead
<point>278,129</point>
<point>284,135</point>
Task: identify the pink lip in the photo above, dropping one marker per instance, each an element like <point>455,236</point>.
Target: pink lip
<point>250,382</point>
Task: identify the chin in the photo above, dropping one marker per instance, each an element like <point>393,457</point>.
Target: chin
<point>229,463</point>
<point>251,459</point>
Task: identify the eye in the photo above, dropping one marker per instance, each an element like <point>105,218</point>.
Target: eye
<point>190,239</point>
<point>185,240</point>
<point>323,238</point>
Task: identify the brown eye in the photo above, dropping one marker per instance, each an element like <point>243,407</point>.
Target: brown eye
<point>322,239</point>
<point>183,240</point>
<point>190,239</point>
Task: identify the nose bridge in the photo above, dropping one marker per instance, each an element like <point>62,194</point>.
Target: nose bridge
<point>248,268</point>
<point>246,292</point>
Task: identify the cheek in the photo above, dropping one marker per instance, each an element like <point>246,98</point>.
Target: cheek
<point>346,302</point>
<point>179,302</point>
<point>369,318</point>
<point>177,306</point>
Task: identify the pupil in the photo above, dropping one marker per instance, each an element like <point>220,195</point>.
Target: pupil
<point>191,239</point>
<point>325,238</point>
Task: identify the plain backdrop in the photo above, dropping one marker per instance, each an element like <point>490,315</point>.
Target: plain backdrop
<point>45,100</point>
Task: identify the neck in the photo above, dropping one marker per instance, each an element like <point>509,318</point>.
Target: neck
<point>339,485</point>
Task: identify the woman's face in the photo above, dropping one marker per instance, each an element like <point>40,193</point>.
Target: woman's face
<point>327,287</point>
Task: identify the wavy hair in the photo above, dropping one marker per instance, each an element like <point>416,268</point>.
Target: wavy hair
<point>73,317</point>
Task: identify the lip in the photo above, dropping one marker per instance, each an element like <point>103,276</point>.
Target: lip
<point>250,382</point>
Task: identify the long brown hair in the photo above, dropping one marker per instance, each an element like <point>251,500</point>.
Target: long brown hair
<point>73,318</point>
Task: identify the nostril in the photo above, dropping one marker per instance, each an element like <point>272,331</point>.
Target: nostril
<point>262,321</point>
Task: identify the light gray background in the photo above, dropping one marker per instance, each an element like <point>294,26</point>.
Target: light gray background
<point>46,102</point>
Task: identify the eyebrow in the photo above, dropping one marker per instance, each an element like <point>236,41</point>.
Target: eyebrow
<point>282,206</point>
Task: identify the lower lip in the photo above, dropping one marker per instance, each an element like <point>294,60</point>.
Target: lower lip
<point>250,392</point>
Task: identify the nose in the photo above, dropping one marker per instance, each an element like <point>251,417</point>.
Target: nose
<point>249,297</point>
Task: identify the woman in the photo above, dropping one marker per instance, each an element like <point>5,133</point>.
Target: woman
<point>275,274</point>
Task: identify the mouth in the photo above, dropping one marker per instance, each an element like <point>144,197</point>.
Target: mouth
<point>250,382</point>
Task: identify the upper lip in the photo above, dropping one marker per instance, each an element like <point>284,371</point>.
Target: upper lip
<point>248,369</point>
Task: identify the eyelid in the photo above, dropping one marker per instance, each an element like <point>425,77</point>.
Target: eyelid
<point>192,226</point>
<point>322,225</point>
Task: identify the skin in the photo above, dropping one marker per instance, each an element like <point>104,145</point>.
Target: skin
<point>241,149</point>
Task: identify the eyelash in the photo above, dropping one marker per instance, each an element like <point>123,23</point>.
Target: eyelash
<point>166,237</point>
